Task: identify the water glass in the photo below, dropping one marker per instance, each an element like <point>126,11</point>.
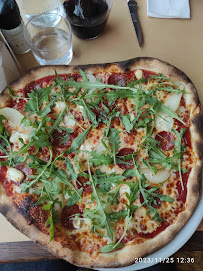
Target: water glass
<point>87,17</point>
<point>32,8</point>
<point>51,45</point>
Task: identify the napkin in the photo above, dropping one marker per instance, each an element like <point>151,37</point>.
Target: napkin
<point>168,9</point>
<point>8,69</point>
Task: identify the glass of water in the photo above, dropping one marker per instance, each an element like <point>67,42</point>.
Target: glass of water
<point>51,45</point>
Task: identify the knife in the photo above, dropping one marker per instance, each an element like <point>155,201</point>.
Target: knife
<point>132,5</point>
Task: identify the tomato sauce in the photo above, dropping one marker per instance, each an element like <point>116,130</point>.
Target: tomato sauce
<point>182,193</point>
<point>130,76</point>
<point>154,233</point>
<point>18,104</point>
<point>147,74</point>
<point>37,84</point>
<point>67,77</point>
<point>187,138</point>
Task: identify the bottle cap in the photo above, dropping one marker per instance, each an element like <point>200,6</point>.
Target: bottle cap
<point>9,14</point>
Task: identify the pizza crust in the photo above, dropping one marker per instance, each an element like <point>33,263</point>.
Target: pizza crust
<point>130,252</point>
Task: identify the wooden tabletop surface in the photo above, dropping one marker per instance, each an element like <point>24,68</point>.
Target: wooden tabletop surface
<point>179,42</point>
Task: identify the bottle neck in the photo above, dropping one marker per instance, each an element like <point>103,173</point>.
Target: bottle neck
<point>9,14</point>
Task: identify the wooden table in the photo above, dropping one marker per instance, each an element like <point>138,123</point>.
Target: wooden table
<point>177,41</point>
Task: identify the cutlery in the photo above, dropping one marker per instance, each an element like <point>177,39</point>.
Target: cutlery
<point>132,5</point>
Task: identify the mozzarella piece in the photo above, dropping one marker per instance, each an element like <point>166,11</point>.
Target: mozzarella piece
<point>139,74</point>
<point>13,115</point>
<point>173,101</point>
<point>60,106</point>
<point>160,177</point>
<point>92,79</point>
<point>16,135</point>
<point>14,118</point>
<point>69,122</point>
<point>15,175</point>
<point>163,122</point>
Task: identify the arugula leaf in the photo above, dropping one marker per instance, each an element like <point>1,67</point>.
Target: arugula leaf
<point>118,245</point>
<point>71,170</point>
<point>10,92</point>
<point>57,121</point>
<point>160,78</point>
<point>61,177</point>
<point>2,128</point>
<point>77,142</point>
<point>178,145</point>
<point>51,220</point>
<point>74,198</point>
<point>100,158</point>
<point>116,216</point>
<point>89,113</point>
<point>166,109</point>
<point>114,142</point>
<point>104,182</point>
<point>37,97</point>
<point>41,171</point>
<point>156,156</point>
<point>110,247</point>
<point>114,196</point>
<point>101,217</point>
<point>127,123</point>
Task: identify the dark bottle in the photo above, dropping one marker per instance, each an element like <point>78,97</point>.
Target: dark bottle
<point>12,26</point>
<point>87,17</point>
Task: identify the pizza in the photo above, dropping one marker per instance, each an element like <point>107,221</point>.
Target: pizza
<point>101,164</point>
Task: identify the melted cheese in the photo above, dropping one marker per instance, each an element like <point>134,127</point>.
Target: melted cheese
<point>141,221</point>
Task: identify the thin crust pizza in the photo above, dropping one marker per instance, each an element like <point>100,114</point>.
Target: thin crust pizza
<point>101,164</point>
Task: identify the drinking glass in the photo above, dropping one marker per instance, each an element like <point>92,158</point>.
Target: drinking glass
<point>32,8</point>
<point>51,45</point>
<point>87,17</point>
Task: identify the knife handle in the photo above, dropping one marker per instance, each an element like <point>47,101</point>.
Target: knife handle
<point>133,10</point>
